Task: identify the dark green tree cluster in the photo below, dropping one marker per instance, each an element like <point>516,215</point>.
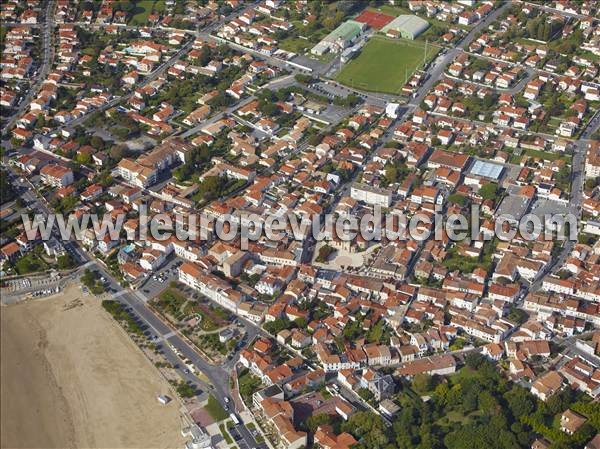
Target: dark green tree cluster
<point>7,192</point>
<point>543,29</point>
<point>199,157</point>
<point>476,408</point>
<point>395,172</point>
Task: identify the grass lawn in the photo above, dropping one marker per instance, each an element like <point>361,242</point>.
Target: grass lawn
<point>248,385</point>
<point>548,155</point>
<point>30,263</point>
<point>225,434</point>
<point>295,45</point>
<point>142,10</point>
<point>384,65</point>
<point>454,416</point>
<point>215,410</point>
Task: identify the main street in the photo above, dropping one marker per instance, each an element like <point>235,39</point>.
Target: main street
<point>577,186</point>
<point>218,376</point>
<point>47,32</point>
<point>432,75</point>
<point>174,347</point>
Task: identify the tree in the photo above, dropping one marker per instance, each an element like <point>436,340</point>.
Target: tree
<point>185,390</point>
<point>303,79</point>
<point>118,152</point>
<point>276,326</point>
<point>97,142</point>
<point>315,421</point>
<point>211,186</point>
<point>365,394</point>
<point>422,383</point>
<point>457,198</point>
<point>368,428</point>
<point>396,172</point>
<point>519,403</point>
<point>376,333</point>
<point>65,262</point>
<point>267,108</point>
<point>324,252</point>
<point>300,323</point>
<point>474,360</point>
<point>40,121</point>
<point>517,315</point>
<point>489,191</point>
<point>7,191</point>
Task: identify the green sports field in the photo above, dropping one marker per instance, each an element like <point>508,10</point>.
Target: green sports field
<point>384,65</point>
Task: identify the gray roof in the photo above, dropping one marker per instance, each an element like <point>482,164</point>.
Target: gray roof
<point>408,23</point>
<point>487,170</point>
<point>514,207</point>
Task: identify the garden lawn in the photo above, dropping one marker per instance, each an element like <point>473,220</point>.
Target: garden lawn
<point>142,10</point>
<point>295,45</point>
<point>384,65</point>
<point>215,410</point>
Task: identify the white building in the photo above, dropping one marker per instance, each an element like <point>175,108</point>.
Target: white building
<point>371,195</point>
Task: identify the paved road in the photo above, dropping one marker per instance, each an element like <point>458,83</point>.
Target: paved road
<point>577,185</point>
<point>530,73</point>
<point>215,118</point>
<point>118,99</point>
<point>175,349</point>
<point>432,75</point>
<point>438,66</point>
<point>556,11</point>
<point>218,376</point>
<point>43,70</point>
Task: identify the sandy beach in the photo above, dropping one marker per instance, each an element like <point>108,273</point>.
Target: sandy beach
<point>71,378</point>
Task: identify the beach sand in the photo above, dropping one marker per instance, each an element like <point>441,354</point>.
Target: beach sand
<point>71,377</point>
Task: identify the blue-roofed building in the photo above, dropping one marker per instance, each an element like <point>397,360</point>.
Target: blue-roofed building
<point>482,172</point>
<point>487,170</point>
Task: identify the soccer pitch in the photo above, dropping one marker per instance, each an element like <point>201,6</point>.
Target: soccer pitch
<point>384,65</point>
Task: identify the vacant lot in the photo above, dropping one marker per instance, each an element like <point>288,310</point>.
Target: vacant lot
<point>384,65</point>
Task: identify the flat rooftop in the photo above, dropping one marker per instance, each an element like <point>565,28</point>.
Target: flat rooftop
<point>487,170</point>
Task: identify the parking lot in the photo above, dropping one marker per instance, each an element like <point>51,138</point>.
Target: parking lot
<point>239,440</point>
<point>159,280</point>
<point>28,283</point>
<point>544,207</point>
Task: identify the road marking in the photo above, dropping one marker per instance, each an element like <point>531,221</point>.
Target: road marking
<point>119,294</point>
<point>169,335</point>
<point>140,296</point>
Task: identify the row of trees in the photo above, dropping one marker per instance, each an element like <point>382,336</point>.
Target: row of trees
<point>543,29</point>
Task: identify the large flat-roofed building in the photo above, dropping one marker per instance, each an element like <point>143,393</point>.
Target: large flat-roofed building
<point>483,170</point>
<point>409,26</point>
<point>486,170</point>
<point>340,38</point>
<point>371,195</point>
